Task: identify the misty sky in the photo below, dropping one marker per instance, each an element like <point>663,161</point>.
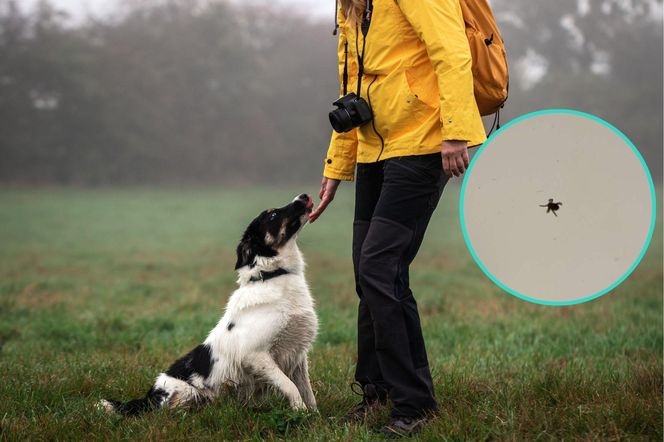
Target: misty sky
<point>80,8</point>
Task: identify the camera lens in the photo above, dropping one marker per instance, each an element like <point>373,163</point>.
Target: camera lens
<point>340,120</point>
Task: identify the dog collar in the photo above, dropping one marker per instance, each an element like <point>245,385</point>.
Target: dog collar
<point>264,276</point>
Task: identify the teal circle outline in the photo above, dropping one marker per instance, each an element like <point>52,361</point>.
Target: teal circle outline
<point>652,196</point>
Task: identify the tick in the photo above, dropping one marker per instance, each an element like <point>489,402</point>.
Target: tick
<point>551,206</point>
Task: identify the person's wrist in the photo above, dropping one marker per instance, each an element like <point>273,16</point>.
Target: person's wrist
<point>456,142</point>
<point>333,184</point>
<point>448,146</point>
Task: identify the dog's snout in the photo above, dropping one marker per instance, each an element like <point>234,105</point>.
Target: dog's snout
<point>306,199</point>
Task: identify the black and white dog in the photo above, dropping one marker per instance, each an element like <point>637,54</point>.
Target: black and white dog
<point>268,327</point>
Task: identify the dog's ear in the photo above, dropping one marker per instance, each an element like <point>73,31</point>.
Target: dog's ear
<point>245,254</point>
<point>252,245</point>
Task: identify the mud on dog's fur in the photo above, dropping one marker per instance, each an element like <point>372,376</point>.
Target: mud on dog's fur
<point>267,329</point>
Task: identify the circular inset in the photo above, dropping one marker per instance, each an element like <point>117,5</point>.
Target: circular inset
<point>557,207</point>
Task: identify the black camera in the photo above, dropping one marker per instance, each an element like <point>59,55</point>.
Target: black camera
<point>353,111</point>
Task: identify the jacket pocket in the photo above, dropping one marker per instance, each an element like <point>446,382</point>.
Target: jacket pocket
<point>399,110</point>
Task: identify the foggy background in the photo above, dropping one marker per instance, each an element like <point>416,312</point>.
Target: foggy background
<point>152,92</point>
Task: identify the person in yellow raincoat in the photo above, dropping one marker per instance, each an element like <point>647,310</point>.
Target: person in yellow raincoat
<point>418,83</point>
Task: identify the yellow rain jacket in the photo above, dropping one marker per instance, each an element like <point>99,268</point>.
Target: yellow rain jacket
<point>417,79</point>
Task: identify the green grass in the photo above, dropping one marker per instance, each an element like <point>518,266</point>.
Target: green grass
<point>100,290</point>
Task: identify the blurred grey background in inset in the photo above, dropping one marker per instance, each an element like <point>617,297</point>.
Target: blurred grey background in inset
<point>140,92</point>
<point>596,235</point>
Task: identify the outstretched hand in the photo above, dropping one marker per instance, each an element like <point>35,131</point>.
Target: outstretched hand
<point>328,187</point>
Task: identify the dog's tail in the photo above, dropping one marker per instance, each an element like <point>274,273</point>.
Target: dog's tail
<point>131,408</point>
<point>151,401</point>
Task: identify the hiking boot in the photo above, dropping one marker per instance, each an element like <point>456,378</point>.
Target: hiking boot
<point>371,400</point>
<point>402,427</point>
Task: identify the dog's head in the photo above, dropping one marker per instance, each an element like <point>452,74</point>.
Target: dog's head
<point>272,229</point>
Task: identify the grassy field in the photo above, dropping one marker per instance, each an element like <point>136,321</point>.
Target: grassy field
<point>100,290</point>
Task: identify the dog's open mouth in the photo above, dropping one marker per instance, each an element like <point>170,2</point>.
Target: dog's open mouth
<point>310,205</point>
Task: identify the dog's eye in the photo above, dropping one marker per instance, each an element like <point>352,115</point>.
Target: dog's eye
<point>273,216</point>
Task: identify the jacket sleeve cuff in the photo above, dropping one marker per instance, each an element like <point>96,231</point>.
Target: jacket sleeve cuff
<point>472,131</point>
<point>333,174</point>
<point>341,156</point>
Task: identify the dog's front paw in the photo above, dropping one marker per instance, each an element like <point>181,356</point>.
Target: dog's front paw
<point>298,405</point>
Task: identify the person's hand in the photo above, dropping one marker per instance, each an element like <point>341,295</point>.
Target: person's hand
<point>455,157</point>
<point>328,187</point>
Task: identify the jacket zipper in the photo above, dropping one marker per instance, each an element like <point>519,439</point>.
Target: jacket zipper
<point>373,123</point>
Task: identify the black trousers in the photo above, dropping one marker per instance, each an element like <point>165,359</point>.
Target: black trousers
<point>394,201</point>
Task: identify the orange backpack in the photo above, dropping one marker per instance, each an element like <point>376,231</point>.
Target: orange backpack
<point>490,71</point>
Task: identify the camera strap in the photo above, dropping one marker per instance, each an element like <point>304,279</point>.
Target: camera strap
<point>366,21</point>
<point>345,75</point>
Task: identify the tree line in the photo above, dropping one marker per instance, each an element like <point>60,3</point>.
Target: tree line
<point>194,91</point>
